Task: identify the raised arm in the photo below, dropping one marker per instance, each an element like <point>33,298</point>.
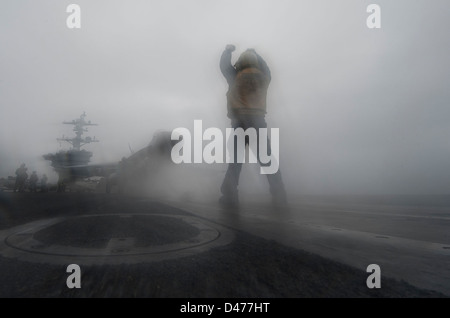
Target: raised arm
<point>227,69</point>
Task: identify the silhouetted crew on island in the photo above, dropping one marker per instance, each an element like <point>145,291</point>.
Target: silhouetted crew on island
<point>248,82</point>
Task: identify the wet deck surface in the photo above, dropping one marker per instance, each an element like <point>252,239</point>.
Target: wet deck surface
<point>139,247</point>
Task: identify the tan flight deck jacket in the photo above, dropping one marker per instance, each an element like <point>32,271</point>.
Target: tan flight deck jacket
<point>247,93</point>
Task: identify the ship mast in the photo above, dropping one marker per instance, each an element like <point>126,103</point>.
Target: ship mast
<point>78,141</point>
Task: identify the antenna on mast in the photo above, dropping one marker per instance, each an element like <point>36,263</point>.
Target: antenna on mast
<point>78,141</point>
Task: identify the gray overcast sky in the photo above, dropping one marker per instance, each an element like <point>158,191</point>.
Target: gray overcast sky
<point>359,110</point>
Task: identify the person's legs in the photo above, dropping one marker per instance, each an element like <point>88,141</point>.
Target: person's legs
<point>277,189</point>
<point>230,183</point>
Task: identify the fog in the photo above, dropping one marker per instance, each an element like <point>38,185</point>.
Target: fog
<point>360,111</point>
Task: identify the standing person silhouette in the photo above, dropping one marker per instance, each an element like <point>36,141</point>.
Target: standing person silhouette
<point>21,178</point>
<point>248,81</point>
<point>33,182</point>
<point>44,180</point>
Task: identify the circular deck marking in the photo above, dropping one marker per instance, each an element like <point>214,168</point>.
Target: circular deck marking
<point>112,239</point>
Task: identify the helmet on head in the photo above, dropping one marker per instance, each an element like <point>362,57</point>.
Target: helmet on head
<point>247,59</point>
